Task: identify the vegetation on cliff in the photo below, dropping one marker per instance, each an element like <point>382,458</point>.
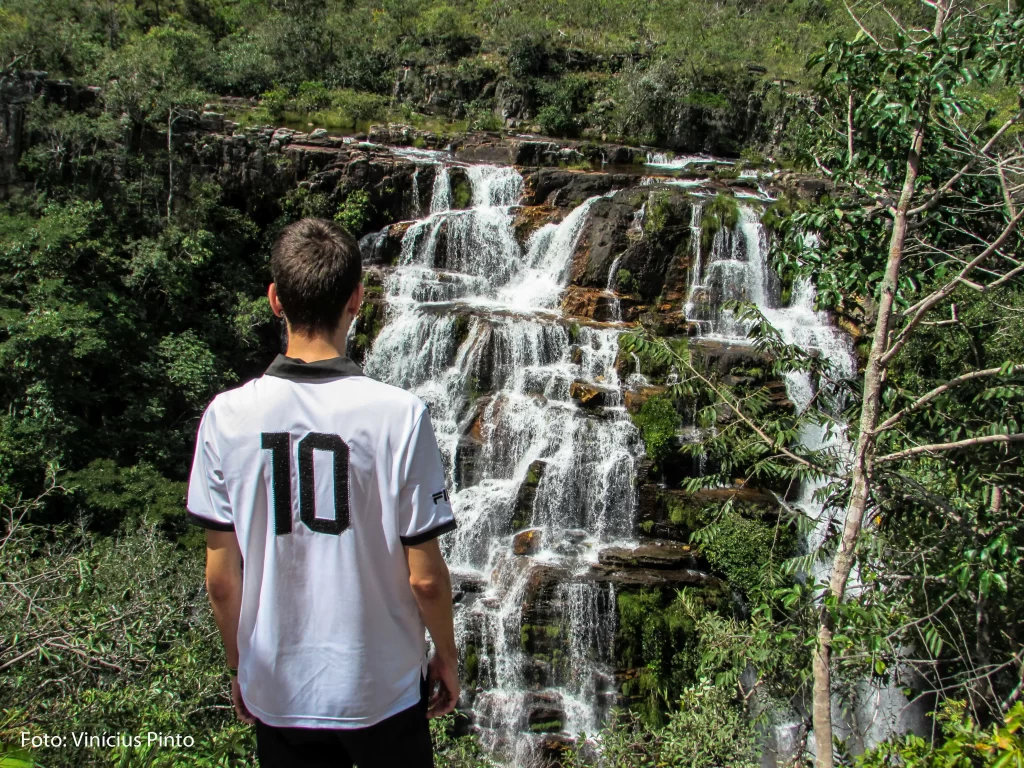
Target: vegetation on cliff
<point>608,66</point>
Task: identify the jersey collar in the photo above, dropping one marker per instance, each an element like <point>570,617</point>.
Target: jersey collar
<point>322,370</point>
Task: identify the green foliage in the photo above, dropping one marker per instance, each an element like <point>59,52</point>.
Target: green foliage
<point>658,423</point>
<point>455,751</point>
<point>462,192</point>
<point>722,213</point>
<point>656,215</point>
<point>566,60</point>
<point>275,101</point>
<point>625,282</point>
<point>705,729</point>
<point>312,96</point>
<point>964,744</point>
<point>128,496</point>
<point>658,637</point>
<point>944,381</point>
<point>447,30</point>
<point>747,550</point>
<point>128,633</point>
<point>355,211</point>
<point>565,103</point>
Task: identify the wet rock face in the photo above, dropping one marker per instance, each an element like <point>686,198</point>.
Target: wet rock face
<point>589,303</point>
<point>527,542</point>
<point>522,511</point>
<point>588,395</point>
<point>567,189</point>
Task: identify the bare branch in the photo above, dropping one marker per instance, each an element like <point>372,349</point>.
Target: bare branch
<point>760,433</point>
<point>932,201</point>
<point>863,29</point>
<point>927,303</point>
<point>937,447</point>
<point>928,397</point>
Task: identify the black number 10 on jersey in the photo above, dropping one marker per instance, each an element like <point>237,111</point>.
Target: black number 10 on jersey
<point>280,449</point>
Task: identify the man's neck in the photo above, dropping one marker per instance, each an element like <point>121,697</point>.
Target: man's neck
<point>311,349</point>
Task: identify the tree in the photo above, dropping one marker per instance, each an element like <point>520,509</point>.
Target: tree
<point>953,214</point>
<point>920,132</point>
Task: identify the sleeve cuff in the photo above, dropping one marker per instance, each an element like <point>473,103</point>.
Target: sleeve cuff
<point>208,524</point>
<point>433,533</point>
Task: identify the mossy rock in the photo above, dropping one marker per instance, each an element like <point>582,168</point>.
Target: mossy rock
<point>722,213</point>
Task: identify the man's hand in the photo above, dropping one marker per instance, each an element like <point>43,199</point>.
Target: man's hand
<point>432,588</point>
<point>445,675</point>
<point>240,709</point>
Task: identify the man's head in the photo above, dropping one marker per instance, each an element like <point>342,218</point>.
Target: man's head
<point>317,271</point>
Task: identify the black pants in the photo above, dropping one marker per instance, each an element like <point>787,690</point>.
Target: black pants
<point>400,741</point>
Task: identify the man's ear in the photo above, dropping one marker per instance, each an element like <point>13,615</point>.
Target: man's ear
<point>354,301</point>
<point>275,302</point>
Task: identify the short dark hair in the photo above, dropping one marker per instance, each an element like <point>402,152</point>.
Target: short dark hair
<point>316,266</point>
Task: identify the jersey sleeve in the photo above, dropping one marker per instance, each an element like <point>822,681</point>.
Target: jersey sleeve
<point>208,503</point>
<point>425,511</point>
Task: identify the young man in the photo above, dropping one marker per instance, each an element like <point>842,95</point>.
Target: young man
<point>329,486</point>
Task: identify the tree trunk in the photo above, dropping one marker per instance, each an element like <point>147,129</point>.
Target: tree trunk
<point>170,162</point>
<point>864,452</point>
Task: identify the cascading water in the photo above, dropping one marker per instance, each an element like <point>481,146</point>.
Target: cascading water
<point>736,269</point>
<point>469,313</point>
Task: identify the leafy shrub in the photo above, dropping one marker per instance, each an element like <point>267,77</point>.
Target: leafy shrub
<point>565,105</point>
<point>360,106</point>
<point>448,31</point>
<point>657,421</point>
<point>312,96</point>
<point>527,50</point>
<point>355,212</point>
<point>245,68</point>
<point>741,546</point>
<point>625,281</point>
<point>127,638</point>
<point>454,751</point>
<point>275,101</point>
<point>707,730</point>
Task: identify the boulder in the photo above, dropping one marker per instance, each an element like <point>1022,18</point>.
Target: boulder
<point>650,578</point>
<point>588,395</point>
<point>527,542</point>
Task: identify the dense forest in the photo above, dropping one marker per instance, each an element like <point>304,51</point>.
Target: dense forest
<point>132,280</point>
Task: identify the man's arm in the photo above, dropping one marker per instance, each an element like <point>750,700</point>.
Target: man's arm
<point>224,585</point>
<point>432,588</point>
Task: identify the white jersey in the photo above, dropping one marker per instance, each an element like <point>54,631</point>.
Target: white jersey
<point>324,475</point>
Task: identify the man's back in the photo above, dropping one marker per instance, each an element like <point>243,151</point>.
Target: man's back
<point>325,475</point>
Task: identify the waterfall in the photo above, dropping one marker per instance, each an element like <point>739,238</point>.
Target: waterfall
<point>736,268</point>
<point>472,326</point>
<point>416,205</point>
<point>441,199</point>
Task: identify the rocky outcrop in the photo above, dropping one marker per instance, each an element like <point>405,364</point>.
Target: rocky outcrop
<point>653,553</point>
<point>17,91</point>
